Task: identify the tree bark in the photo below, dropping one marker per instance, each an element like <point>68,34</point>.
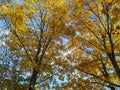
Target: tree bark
<point>112,88</point>
<point>115,65</point>
<point>33,79</point>
<point>112,56</point>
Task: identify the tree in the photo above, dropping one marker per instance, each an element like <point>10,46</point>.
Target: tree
<point>75,42</point>
<point>34,37</point>
<point>95,47</point>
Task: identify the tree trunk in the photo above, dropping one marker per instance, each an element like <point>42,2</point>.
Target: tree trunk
<point>115,65</point>
<point>33,79</point>
<point>112,88</point>
<point>112,56</point>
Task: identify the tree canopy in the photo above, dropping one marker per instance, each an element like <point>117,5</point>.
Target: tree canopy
<point>60,44</point>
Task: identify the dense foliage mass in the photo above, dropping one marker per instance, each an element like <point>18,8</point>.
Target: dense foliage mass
<point>59,44</point>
